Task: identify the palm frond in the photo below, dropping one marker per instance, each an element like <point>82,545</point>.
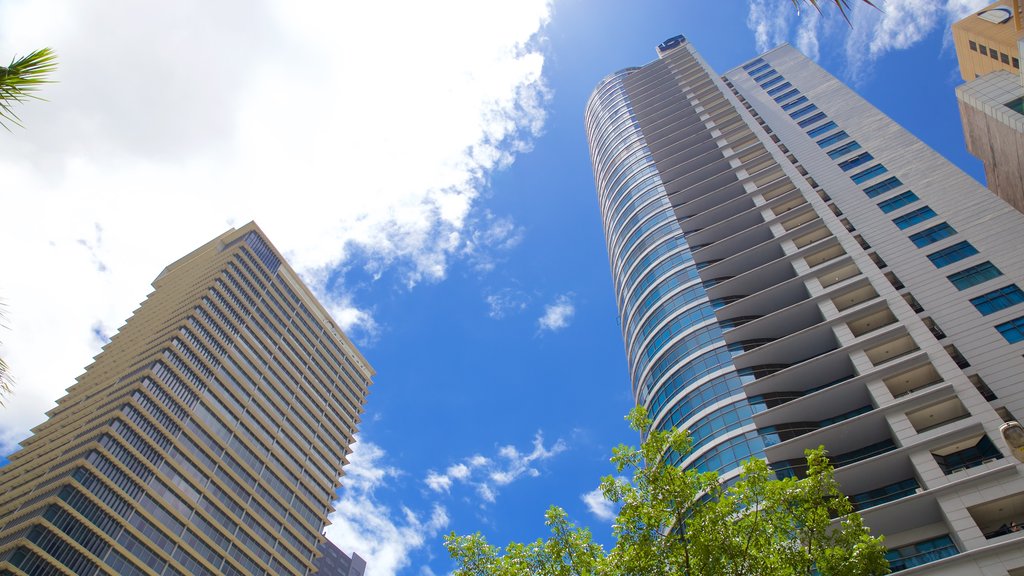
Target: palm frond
<point>21,79</point>
<point>843,5</point>
<point>6,381</point>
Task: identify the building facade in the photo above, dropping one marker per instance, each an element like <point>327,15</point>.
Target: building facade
<point>334,562</point>
<point>794,269</point>
<point>207,437</point>
<point>988,49</point>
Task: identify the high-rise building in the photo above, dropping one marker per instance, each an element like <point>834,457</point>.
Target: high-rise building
<point>206,438</point>
<point>794,269</point>
<point>334,562</point>
<point>988,48</point>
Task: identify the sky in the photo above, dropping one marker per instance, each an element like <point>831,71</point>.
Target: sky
<point>424,166</point>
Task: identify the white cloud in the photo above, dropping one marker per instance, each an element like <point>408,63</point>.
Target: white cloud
<point>598,505</point>
<point>438,482</point>
<point>896,25</point>
<point>384,537</point>
<point>354,137</point>
<point>504,302</point>
<point>558,315</point>
<point>483,474</point>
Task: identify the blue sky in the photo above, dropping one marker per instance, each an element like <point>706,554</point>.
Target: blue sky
<point>425,168</point>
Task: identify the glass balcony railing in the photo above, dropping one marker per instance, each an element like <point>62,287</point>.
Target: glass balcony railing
<point>921,553</point>
<point>773,435</point>
<point>888,493</point>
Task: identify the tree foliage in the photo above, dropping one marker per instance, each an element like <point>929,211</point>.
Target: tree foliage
<point>21,79</point>
<point>673,521</point>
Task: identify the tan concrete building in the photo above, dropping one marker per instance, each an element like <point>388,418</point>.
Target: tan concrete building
<point>206,438</point>
<point>988,48</point>
<point>987,40</point>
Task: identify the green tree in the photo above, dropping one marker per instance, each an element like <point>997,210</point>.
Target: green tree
<point>673,521</point>
<point>21,79</point>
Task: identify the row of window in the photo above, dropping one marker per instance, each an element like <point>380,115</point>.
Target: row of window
<point>994,54</point>
<point>986,304</point>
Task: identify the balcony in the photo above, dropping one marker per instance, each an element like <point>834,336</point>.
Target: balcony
<point>887,493</point>
<point>1000,517</point>
<point>921,553</point>
<point>797,467</point>
<point>773,435</point>
<point>966,454</point>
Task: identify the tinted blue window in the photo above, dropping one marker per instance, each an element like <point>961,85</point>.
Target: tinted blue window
<point>862,177</point>
<point>803,111</point>
<point>951,254</point>
<point>1013,330</point>
<point>773,82</point>
<point>932,235</point>
<point>830,140</point>
<point>765,76</point>
<point>898,201</point>
<point>790,105</point>
<point>858,160</point>
<point>758,69</point>
<point>821,129</point>
<point>974,275</point>
<point>844,149</point>
<point>914,217</point>
<point>779,88</point>
<point>787,95</point>
<point>882,187</point>
<point>753,63</point>
<point>811,120</point>
<point>998,299</point>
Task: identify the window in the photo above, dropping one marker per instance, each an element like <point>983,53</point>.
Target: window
<point>1016,63</point>
<point>932,235</point>
<point>951,254</point>
<point>1013,330</point>
<point>882,187</point>
<point>753,63</point>
<point>998,299</point>
<point>790,105</point>
<point>787,95</point>
<point>993,53</point>
<point>765,76</point>
<point>821,129</point>
<point>973,45</point>
<point>773,82</point>
<point>1004,58</point>
<point>844,149</point>
<point>830,140</point>
<point>974,275</point>
<point>758,69</point>
<point>857,160</point>
<point>913,217</point>
<point>897,202</point>
<point>811,120</point>
<point>864,176</point>
<point>803,111</point>
<point>779,88</point>
<point>983,49</point>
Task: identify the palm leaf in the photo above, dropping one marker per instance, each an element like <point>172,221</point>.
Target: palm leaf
<point>6,382</point>
<point>843,5</point>
<point>21,79</point>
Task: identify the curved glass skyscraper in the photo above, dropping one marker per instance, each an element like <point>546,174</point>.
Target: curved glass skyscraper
<point>794,269</point>
<point>680,364</point>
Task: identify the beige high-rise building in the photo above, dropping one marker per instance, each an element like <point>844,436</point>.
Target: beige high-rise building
<point>206,438</point>
<point>987,40</point>
<point>988,48</point>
